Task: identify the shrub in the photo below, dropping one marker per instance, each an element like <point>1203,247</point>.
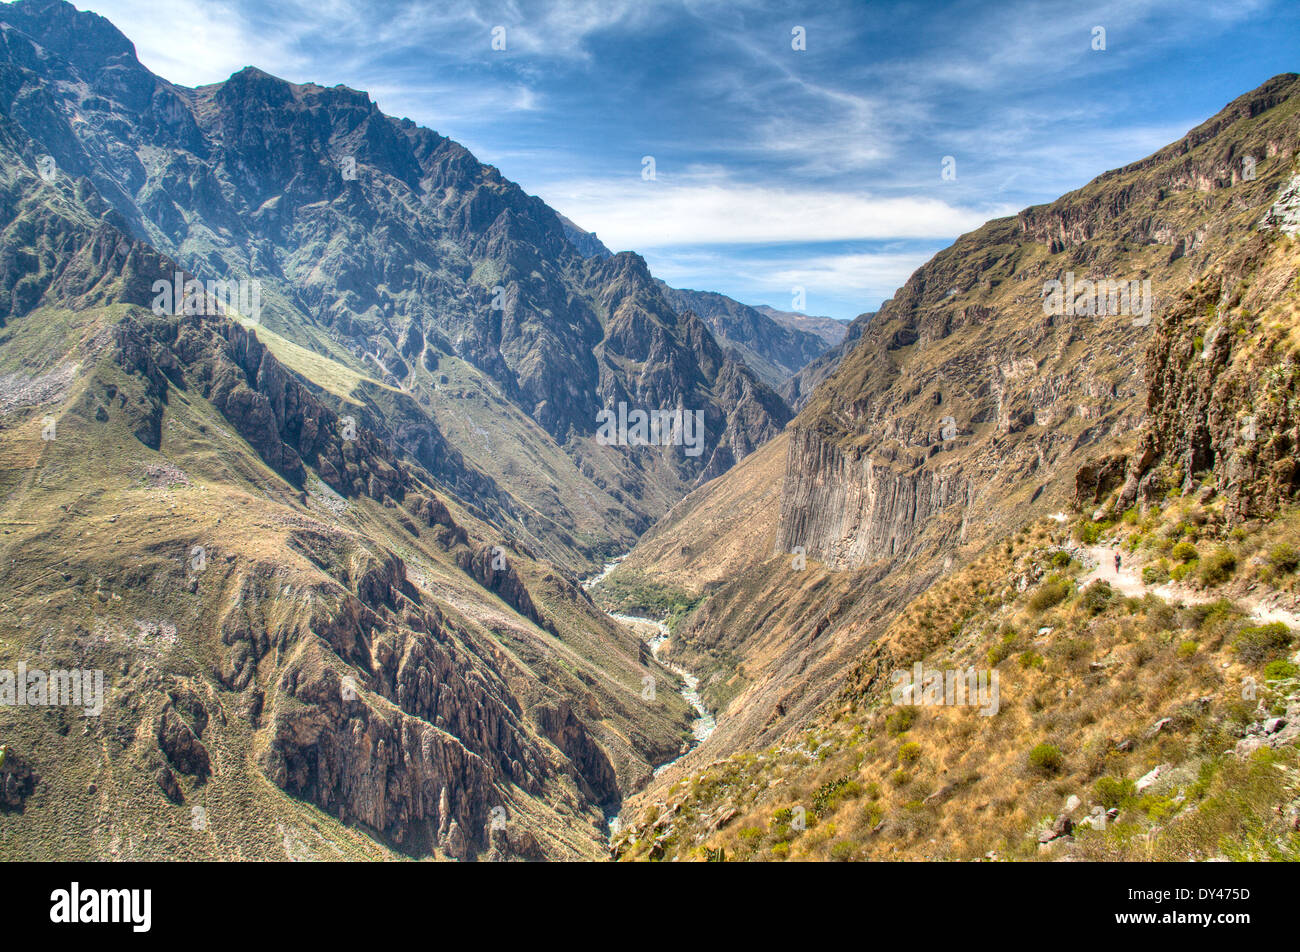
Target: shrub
<point>1112,792</point>
<point>901,720</point>
<point>1031,659</point>
<point>830,795</point>
<point>842,851</point>
<point>1096,597</point>
<point>1281,670</point>
<point>1089,532</point>
<point>1284,557</point>
<point>1185,552</point>
<point>1155,574</point>
<point>909,753</point>
<point>1046,759</point>
<point>1002,650</point>
<point>1187,648</point>
<point>1051,593</point>
<point>1259,643</point>
<point>1217,567</point>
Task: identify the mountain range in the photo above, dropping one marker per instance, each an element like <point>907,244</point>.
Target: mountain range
<point>304,419</point>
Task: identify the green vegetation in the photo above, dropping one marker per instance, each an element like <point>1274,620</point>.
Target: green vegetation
<point>1046,758</point>
<point>633,594</point>
<point>1217,567</point>
<point>1049,594</point>
<point>1114,792</point>
<point>1284,557</point>
<point>1256,644</point>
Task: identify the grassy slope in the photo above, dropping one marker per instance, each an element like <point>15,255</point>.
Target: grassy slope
<point>1088,671</point>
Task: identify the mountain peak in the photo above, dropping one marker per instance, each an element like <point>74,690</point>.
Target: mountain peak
<point>81,37</point>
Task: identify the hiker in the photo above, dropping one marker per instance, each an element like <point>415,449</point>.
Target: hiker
<point>1116,563</point>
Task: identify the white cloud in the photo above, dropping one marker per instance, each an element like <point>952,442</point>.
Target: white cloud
<point>852,275</point>
<point>194,42</point>
<point>632,213</point>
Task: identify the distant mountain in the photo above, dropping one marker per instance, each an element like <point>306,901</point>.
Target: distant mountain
<point>775,349</point>
<point>827,328</point>
<point>800,387</point>
<point>588,245</point>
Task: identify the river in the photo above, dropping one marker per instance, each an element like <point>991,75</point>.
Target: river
<point>657,629</point>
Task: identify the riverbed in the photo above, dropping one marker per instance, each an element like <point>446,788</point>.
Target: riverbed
<point>657,630</point>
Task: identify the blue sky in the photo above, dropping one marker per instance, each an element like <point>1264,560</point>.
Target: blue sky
<point>774,168</point>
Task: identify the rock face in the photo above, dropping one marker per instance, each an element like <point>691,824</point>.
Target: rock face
<point>867,510</point>
<point>559,724</point>
<point>970,388</point>
<point>180,742</point>
<point>490,566</point>
<point>1212,407</point>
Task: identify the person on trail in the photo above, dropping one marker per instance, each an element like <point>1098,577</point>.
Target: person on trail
<point>1116,563</point>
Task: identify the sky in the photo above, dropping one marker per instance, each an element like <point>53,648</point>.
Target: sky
<point>838,168</point>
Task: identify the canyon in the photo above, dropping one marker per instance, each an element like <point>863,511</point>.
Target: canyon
<point>378,565</point>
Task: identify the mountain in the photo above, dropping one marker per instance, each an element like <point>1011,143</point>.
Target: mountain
<point>827,328</point>
<point>479,341</point>
<point>588,245</point>
<point>774,349</point>
<point>314,510</point>
<point>972,406</point>
<point>800,387</point>
<point>288,613</point>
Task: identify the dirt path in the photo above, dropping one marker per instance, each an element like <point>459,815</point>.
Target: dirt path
<point>1128,580</point>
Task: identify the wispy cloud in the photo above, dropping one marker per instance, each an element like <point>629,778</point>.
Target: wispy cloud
<point>631,213</point>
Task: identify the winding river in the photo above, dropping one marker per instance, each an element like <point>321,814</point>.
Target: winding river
<point>657,630</point>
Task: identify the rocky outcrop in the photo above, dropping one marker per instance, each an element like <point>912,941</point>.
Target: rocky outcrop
<point>180,743</point>
<point>849,510</point>
<point>1095,480</point>
<point>491,567</point>
<point>561,726</point>
<point>396,774</point>
<point>17,779</point>
<point>1221,391</point>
